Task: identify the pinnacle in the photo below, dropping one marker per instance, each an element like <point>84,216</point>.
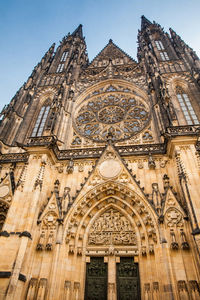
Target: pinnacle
<point>78,31</point>
<point>144,22</point>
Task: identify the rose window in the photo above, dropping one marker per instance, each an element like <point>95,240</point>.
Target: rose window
<point>118,114</point>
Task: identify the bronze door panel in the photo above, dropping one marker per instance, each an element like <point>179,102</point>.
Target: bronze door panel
<point>128,283</point>
<point>96,279</point>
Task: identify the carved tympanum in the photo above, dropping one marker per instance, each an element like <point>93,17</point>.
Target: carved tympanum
<point>112,228</point>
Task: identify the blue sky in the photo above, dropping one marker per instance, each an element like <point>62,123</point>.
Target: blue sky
<point>28,28</point>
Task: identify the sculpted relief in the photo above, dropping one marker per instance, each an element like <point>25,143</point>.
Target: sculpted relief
<point>174,218</point>
<point>112,228</point>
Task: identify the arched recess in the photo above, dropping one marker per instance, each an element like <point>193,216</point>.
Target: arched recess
<point>111,195</point>
<point>43,99</point>
<point>183,93</point>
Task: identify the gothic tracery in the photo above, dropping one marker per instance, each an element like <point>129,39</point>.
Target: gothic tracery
<point>116,111</point>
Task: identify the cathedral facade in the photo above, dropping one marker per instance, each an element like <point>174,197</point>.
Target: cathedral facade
<point>100,173</point>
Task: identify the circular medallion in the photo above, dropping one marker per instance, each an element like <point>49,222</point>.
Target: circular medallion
<point>109,168</point>
<point>4,190</point>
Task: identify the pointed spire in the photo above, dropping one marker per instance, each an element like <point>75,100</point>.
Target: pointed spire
<point>78,31</point>
<point>145,22</point>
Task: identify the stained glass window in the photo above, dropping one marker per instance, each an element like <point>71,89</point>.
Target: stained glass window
<point>40,122</point>
<point>163,54</point>
<point>186,106</point>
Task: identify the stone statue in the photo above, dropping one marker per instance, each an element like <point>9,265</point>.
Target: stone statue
<point>70,167</point>
<point>66,199</point>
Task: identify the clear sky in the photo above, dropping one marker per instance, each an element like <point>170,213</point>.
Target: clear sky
<point>29,27</point>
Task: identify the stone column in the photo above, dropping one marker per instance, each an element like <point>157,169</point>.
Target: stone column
<point>112,278</point>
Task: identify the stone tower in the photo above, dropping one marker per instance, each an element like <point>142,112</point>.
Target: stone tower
<point>100,167</point>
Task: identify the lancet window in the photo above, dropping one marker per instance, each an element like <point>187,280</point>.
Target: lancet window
<point>60,68</point>
<point>62,62</point>
<point>163,54</point>
<point>64,56</point>
<point>41,120</point>
<point>186,106</point>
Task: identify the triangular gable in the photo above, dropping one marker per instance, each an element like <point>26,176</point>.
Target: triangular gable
<point>172,210</point>
<point>7,187</point>
<point>110,168</point>
<point>110,52</point>
<point>51,208</point>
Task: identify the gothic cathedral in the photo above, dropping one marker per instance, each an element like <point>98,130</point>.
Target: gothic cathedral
<point>100,174</point>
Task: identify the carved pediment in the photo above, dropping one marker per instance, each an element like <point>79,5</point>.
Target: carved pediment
<point>173,212</point>
<point>111,52</point>
<point>112,228</point>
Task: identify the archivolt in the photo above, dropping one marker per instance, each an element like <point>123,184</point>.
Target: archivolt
<point>111,195</point>
<point>45,94</point>
<point>183,81</point>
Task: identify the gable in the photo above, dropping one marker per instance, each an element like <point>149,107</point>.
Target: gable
<point>111,53</point>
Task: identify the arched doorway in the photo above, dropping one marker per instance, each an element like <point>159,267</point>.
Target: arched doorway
<point>111,272</point>
<point>117,225</point>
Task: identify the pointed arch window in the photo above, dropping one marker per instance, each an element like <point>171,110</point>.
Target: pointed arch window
<point>41,120</point>
<point>60,68</point>
<point>186,106</point>
<point>163,54</point>
<point>159,45</point>
<point>64,56</point>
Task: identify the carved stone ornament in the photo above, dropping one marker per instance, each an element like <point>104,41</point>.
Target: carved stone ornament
<point>143,250</point>
<point>50,220</point>
<point>109,168</point>
<point>4,190</point>
<point>112,228</point>
<point>174,244</point>
<point>70,166</point>
<point>182,285</point>
<point>114,111</point>
<point>173,218</point>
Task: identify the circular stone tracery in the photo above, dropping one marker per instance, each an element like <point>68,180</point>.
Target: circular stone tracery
<point>111,114</point>
<point>120,114</point>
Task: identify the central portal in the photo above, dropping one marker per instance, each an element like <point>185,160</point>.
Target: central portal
<point>112,234</point>
<point>128,284</point>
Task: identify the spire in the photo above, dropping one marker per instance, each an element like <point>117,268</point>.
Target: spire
<point>145,22</point>
<point>78,31</point>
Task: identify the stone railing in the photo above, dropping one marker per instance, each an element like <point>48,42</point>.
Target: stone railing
<point>143,149</point>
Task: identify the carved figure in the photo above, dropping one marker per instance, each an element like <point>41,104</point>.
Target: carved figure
<point>66,199</point>
<point>112,228</point>
<point>70,167</point>
<point>151,162</point>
